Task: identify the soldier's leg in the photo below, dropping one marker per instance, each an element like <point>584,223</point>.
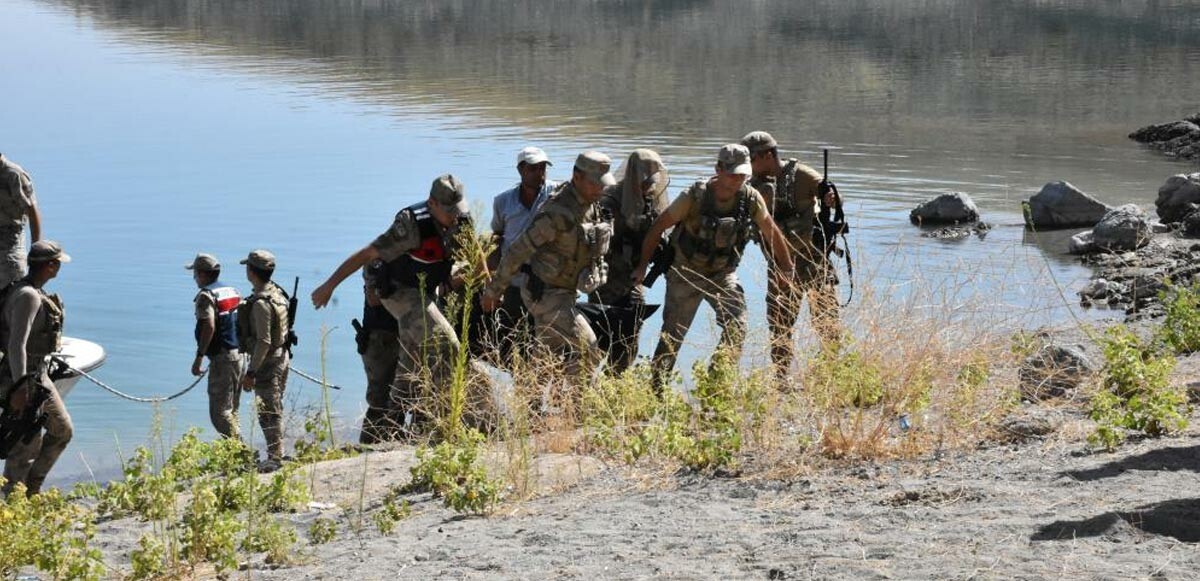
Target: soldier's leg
<point>728,301</point>
<point>59,431</point>
<point>683,297</point>
<point>403,397</point>
<point>224,394</point>
<point>268,388</point>
<point>379,363</point>
<point>783,307</point>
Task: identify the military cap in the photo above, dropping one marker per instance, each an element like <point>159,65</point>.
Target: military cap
<point>450,194</point>
<point>47,251</point>
<point>533,156</point>
<point>260,259</point>
<point>735,158</point>
<point>204,262</point>
<point>595,166</point>
<point>758,142</point>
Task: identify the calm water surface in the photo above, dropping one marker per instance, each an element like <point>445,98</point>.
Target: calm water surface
<point>155,129</point>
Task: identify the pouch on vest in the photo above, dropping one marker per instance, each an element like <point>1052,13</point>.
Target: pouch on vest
<point>598,237</point>
<point>592,277</point>
<point>242,324</point>
<point>727,232</point>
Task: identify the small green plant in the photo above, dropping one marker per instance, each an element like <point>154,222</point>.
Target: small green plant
<point>271,536</point>
<point>47,532</point>
<point>451,470</point>
<point>322,530</point>
<point>210,533</point>
<point>149,559</point>
<point>845,378</point>
<point>1136,394</point>
<point>1180,328</point>
<point>391,512</point>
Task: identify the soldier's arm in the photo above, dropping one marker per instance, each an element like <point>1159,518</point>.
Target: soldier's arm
<point>664,221</point>
<point>35,222</point>
<point>260,321</point>
<point>24,308</point>
<point>544,228</point>
<point>352,264</point>
<point>493,261</point>
<point>775,242</point>
<point>206,316</point>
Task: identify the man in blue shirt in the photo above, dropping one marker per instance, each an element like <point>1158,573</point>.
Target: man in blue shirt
<point>512,212</point>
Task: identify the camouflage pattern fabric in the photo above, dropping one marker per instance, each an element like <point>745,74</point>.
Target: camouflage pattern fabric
<point>224,393</point>
<point>268,389</point>
<point>685,291</point>
<point>379,363</point>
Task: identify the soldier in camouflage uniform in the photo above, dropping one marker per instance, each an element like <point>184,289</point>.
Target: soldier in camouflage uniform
<point>262,323</point>
<point>715,220</point>
<point>18,203</point>
<point>635,203</point>
<point>791,190</point>
<point>419,251</point>
<point>378,344</point>
<point>564,246</point>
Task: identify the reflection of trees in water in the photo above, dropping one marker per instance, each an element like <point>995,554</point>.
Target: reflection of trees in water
<point>892,70</point>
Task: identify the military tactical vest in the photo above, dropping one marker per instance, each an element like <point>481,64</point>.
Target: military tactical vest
<point>710,239</point>
<point>575,259</point>
<point>45,337</point>
<point>277,303</point>
<point>430,262</point>
<point>225,300</point>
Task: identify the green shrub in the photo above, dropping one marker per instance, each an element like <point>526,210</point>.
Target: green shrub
<point>271,536</point>
<point>1136,394</point>
<point>49,533</point>
<point>391,513</point>
<point>321,531</point>
<point>845,378</point>
<point>452,471</point>
<point>209,532</point>
<point>149,559</point>
<point>1180,329</point>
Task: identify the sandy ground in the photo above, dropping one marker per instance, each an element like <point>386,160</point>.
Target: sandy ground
<point>1040,510</point>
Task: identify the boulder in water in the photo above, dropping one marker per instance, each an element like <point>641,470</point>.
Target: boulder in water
<point>953,208</point>
<point>1123,228</point>
<point>1165,131</point>
<point>1062,205</point>
<point>1082,243</point>
<point>1178,197</point>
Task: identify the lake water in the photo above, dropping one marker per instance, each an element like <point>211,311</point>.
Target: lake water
<point>155,129</point>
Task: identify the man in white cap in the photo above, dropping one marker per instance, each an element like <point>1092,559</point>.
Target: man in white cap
<point>31,323</point>
<point>512,211</point>
<point>418,249</point>
<point>716,218</point>
<point>564,247</point>
<point>216,338</point>
<point>18,205</point>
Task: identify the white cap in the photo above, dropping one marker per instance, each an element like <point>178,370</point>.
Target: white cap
<point>532,156</point>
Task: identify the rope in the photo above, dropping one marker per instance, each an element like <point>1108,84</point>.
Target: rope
<point>314,379</point>
<point>124,395</point>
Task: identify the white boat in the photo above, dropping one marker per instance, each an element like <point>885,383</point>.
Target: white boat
<point>78,354</point>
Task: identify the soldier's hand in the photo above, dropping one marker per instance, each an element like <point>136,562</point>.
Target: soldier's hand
<point>247,382</point>
<point>196,371</point>
<point>489,302</point>
<point>831,198</point>
<point>639,274</point>
<point>321,295</point>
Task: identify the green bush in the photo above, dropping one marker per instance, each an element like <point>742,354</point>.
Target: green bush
<point>845,378</point>
<point>49,533</point>
<point>452,471</point>
<point>209,532</point>
<point>1180,329</point>
<point>1136,394</point>
<point>322,530</point>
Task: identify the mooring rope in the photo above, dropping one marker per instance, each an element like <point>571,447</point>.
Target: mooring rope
<point>314,379</point>
<point>124,395</point>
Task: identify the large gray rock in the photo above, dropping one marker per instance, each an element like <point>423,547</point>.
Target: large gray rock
<point>1164,131</point>
<point>954,208</point>
<point>1054,371</point>
<point>1062,205</point>
<point>1178,197</point>
<point>1082,243</point>
<point>1124,228</point>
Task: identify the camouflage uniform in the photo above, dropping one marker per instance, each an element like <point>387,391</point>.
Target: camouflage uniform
<point>378,345</point>
<point>30,461</point>
<point>224,375</point>
<point>16,197</point>
<point>708,243</point>
<point>793,202</point>
<point>426,342</point>
<point>564,247</point>
<point>269,360</point>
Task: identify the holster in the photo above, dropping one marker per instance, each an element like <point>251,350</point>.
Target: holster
<point>536,286</point>
<point>362,337</point>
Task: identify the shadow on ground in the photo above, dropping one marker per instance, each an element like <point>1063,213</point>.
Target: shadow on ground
<point>1179,518</point>
<point>1163,459</point>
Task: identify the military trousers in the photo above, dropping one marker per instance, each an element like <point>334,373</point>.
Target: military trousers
<point>379,363</point>
<point>817,283</point>
<point>270,381</point>
<point>560,329</point>
<point>686,289</point>
<point>224,392</point>
<point>427,349</point>
<point>30,462</point>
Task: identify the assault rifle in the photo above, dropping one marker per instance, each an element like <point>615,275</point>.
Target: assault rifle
<point>293,303</point>
<point>660,262</point>
<point>23,424</point>
<point>831,223</point>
